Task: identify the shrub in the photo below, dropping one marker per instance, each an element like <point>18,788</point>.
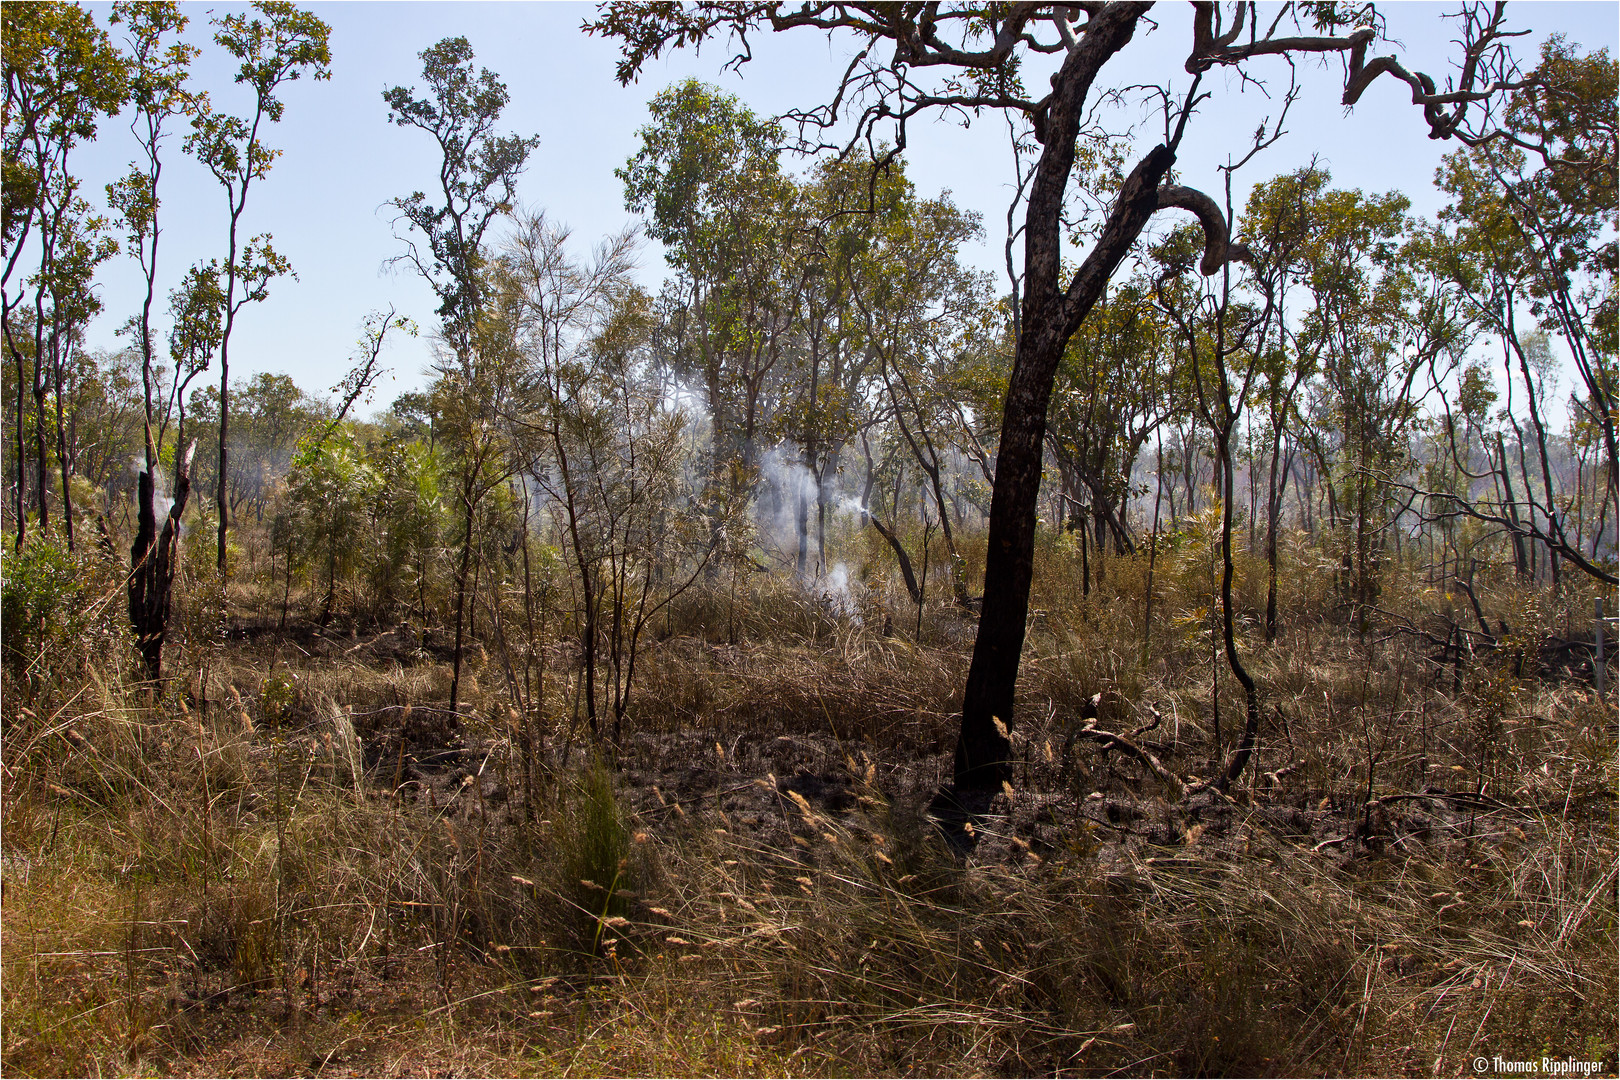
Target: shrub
<point>51,615</point>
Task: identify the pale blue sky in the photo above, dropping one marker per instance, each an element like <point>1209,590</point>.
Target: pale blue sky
<point>324,199</point>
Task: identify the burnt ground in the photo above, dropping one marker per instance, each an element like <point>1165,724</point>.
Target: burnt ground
<point>1088,800</point>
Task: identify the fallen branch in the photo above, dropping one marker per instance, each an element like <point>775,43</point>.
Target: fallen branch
<point>1111,741</point>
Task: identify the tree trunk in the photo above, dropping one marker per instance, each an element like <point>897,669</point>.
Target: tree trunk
<point>22,444</point>
<point>461,594</point>
<point>1153,552</point>
<point>1251,694</point>
<point>61,438</point>
<point>801,526</point>
<point>42,476</point>
<point>153,559</point>
<point>1050,318</point>
<point>1521,562</point>
<point>900,556</point>
<point>1274,492</point>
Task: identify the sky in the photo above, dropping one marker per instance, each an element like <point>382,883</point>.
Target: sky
<point>326,198</point>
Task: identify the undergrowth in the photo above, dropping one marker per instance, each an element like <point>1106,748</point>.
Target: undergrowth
<point>288,863</point>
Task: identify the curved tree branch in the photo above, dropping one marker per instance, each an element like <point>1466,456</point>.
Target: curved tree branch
<point>1218,246</point>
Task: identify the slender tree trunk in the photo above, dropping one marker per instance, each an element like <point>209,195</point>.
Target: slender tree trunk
<point>900,556</point>
<point>588,588</point>
<point>462,570</point>
<point>531,700</point>
<point>22,443</point>
<point>1521,563</point>
<point>1273,518</point>
<point>42,475</point>
<point>221,503</point>
<point>801,522</point>
<point>829,468</point>
<point>1153,552</point>
<point>62,459</point>
<point>1554,529</point>
<point>871,479</point>
<point>1251,695</point>
<point>927,458</point>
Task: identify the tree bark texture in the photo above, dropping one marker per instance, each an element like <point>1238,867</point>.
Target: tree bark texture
<point>153,560</point>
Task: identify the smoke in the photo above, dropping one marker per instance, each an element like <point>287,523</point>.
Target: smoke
<point>162,501</point>
<point>836,593</point>
<point>785,482</point>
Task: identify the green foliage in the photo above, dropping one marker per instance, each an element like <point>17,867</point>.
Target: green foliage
<point>706,162</point>
<point>410,526</point>
<point>595,863</point>
<point>61,75</point>
<point>330,494</point>
<point>1118,380</point>
<point>707,175</point>
<point>279,48</point>
<point>478,175</point>
<point>196,306</point>
<point>45,611</point>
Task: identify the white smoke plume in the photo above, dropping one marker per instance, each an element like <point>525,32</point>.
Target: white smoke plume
<point>161,499</point>
<point>784,480</point>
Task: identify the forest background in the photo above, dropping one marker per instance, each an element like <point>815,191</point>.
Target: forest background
<point>653,594</point>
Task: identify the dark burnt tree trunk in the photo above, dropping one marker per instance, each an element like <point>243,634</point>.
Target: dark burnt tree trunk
<point>900,556</point>
<point>63,461</point>
<point>153,560</point>
<point>20,425</point>
<point>1251,693</point>
<point>42,476</point>
<point>1049,319</point>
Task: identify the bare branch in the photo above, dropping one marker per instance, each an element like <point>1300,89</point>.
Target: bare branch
<point>1218,246</point>
<point>1487,70</point>
<point>1457,505</point>
<point>1209,49</point>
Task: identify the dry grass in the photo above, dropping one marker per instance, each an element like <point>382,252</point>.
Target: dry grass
<point>756,889</point>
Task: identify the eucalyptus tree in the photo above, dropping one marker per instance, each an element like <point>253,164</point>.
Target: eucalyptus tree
<point>445,243</point>
<point>708,180</point>
<point>104,402</point>
<point>825,392</point>
<point>919,306</point>
<point>196,310</point>
<point>1377,317</point>
<point>1359,402</point>
<point>76,237</point>
<point>1225,336</point>
<point>1279,222</point>
<point>62,74</point>
<point>1113,389</point>
<point>916,59</point>
<point>1532,251</point>
<point>272,51</point>
<point>478,173</point>
<point>158,67</point>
